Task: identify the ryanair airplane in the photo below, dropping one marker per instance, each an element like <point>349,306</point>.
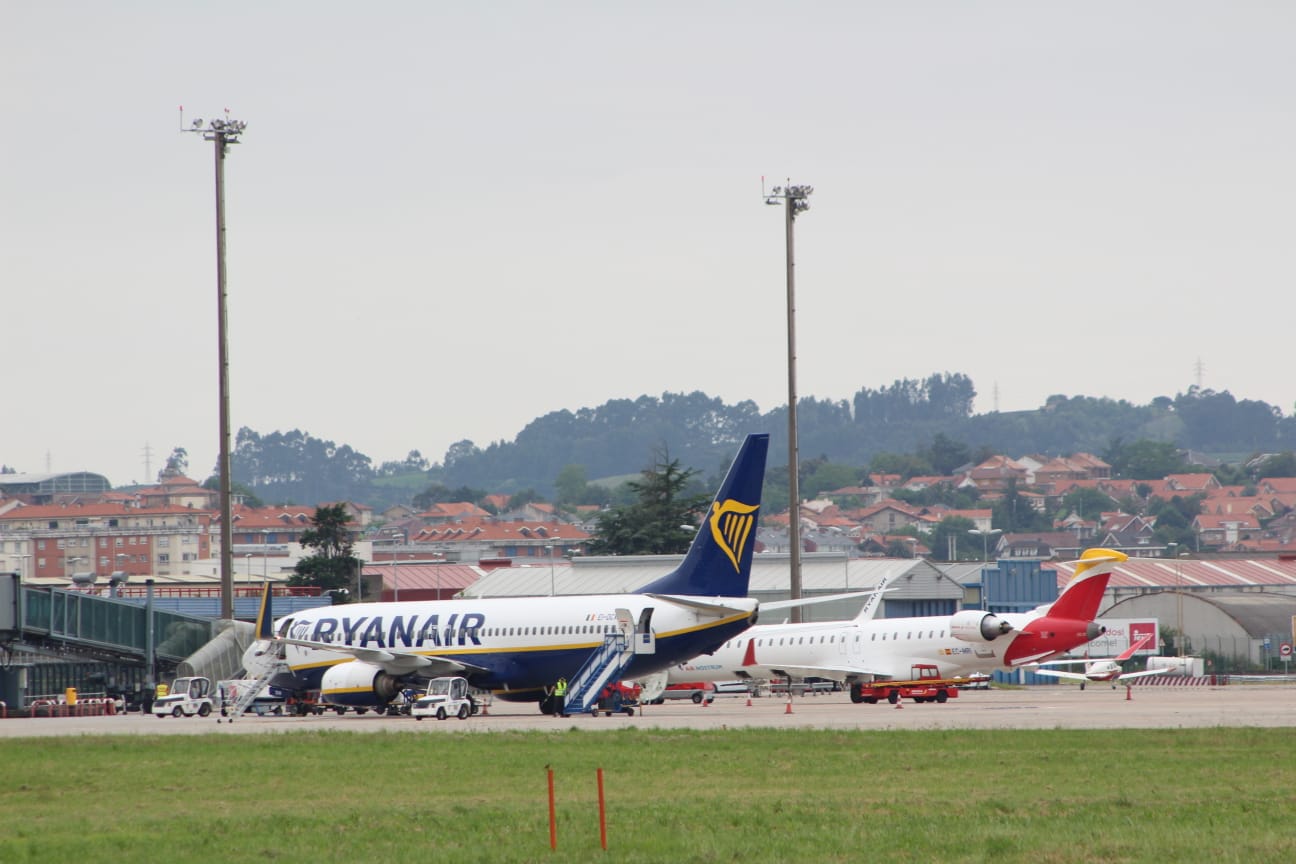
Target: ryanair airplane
<point>362,655</point>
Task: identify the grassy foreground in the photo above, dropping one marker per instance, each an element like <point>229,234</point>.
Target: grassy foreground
<point>1217,795</point>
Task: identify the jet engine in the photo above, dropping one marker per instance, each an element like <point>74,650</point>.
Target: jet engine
<point>972,625</point>
<point>358,685</point>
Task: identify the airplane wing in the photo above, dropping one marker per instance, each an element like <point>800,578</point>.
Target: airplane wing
<point>1142,674</point>
<point>1066,662</point>
<point>1058,673</point>
<point>392,660</point>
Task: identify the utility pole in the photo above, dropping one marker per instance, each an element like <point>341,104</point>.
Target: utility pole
<point>794,199</point>
<point>222,133</point>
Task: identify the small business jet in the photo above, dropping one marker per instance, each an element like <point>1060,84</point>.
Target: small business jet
<point>967,644</point>
<point>1100,668</point>
<point>362,655</point>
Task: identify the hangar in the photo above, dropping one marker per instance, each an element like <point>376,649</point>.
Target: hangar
<point>1232,630</point>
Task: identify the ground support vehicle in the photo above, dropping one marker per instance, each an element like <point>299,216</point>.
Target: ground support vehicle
<point>894,691</point>
<point>617,698</point>
<point>808,687</point>
<point>270,700</point>
<point>696,691</point>
<point>445,697</point>
<point>186,698</point>
<point>925,686</point>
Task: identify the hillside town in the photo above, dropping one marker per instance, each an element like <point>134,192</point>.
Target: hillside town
<point>74,530</point>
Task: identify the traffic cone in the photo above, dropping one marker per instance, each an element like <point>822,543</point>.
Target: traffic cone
<point>1129,693</point>
<point>748,701</point>
<point>789,705</point>
<point>899,703</point>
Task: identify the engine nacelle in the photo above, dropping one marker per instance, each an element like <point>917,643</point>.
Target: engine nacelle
<point>973,625</point>
<point>358,685</point>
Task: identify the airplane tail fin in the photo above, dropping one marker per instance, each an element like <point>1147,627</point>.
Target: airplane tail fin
<point>1083,595</point>
<point>1129,652</point>
<point>265,618</point>
<point>718,563</point>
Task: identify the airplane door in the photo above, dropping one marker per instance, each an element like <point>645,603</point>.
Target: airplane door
<point>643,639</point>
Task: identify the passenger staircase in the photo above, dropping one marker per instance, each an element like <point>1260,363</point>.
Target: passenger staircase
<point>603,666</point>
<point>270,665</point>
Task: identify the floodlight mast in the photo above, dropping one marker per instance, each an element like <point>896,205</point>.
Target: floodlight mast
<point>794,199</point>
<point>222,133</point>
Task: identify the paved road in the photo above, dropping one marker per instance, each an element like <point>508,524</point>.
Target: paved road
<point>1059,707</point>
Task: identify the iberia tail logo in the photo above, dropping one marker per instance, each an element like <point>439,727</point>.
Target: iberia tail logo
<point>731,524</point>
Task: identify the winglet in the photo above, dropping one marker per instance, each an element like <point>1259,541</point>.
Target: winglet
<point>265,619</point>
<point>869,612</point>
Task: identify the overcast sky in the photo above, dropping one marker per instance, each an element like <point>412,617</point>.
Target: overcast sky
<point>447,219</point>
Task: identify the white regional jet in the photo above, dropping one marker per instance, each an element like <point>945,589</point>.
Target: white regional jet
<point>1101,668</point>
<point>361,655</point>
<point>965,644</point>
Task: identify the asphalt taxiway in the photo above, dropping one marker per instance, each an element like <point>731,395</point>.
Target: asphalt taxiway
<point>1049,707</point>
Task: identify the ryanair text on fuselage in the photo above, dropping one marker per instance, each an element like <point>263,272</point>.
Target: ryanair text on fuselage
<point>404,631</point>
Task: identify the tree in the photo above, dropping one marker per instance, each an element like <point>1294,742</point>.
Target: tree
<point>653,525</point>
<point>1087,503</point>
<point>570,487</point>
<point>957,527</point>
<point>1013,512</point>
<point>177,464</point>
<point>237,490</point>
<point>1144,460</point>
<point>332,567</point>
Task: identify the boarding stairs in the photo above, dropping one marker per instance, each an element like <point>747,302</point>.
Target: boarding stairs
<point>270,664</point>
<point>603,666</point>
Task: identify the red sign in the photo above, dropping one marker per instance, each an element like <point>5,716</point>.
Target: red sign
<point>1139,629</point>
<point>1285,649</point>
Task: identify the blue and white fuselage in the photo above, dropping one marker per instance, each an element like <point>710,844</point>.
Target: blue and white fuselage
<point>363,654</point>
<point>514,646</point>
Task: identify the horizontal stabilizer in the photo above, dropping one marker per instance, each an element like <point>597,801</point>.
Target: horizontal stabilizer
<point>719,610</point>
<point>1142,674</point>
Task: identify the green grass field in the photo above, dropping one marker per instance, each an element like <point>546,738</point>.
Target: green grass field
<point>1210,795</point>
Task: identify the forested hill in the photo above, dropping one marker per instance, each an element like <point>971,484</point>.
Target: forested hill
<point>621,437</point>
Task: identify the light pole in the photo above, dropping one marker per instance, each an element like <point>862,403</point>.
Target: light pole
<point>1179,555</point>
<point>222,133</point>
<point>248,559</point>
<point>553,591</point>
<point>985,540</point>
<point>395,573</point>
<point>795,201</point>
<point>985,557</point>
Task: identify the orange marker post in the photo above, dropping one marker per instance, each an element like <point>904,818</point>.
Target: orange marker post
<point>602,813</point>
<point>553,819</point>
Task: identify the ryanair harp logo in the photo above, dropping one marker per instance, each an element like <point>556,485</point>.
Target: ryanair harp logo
<point>731,524</point>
